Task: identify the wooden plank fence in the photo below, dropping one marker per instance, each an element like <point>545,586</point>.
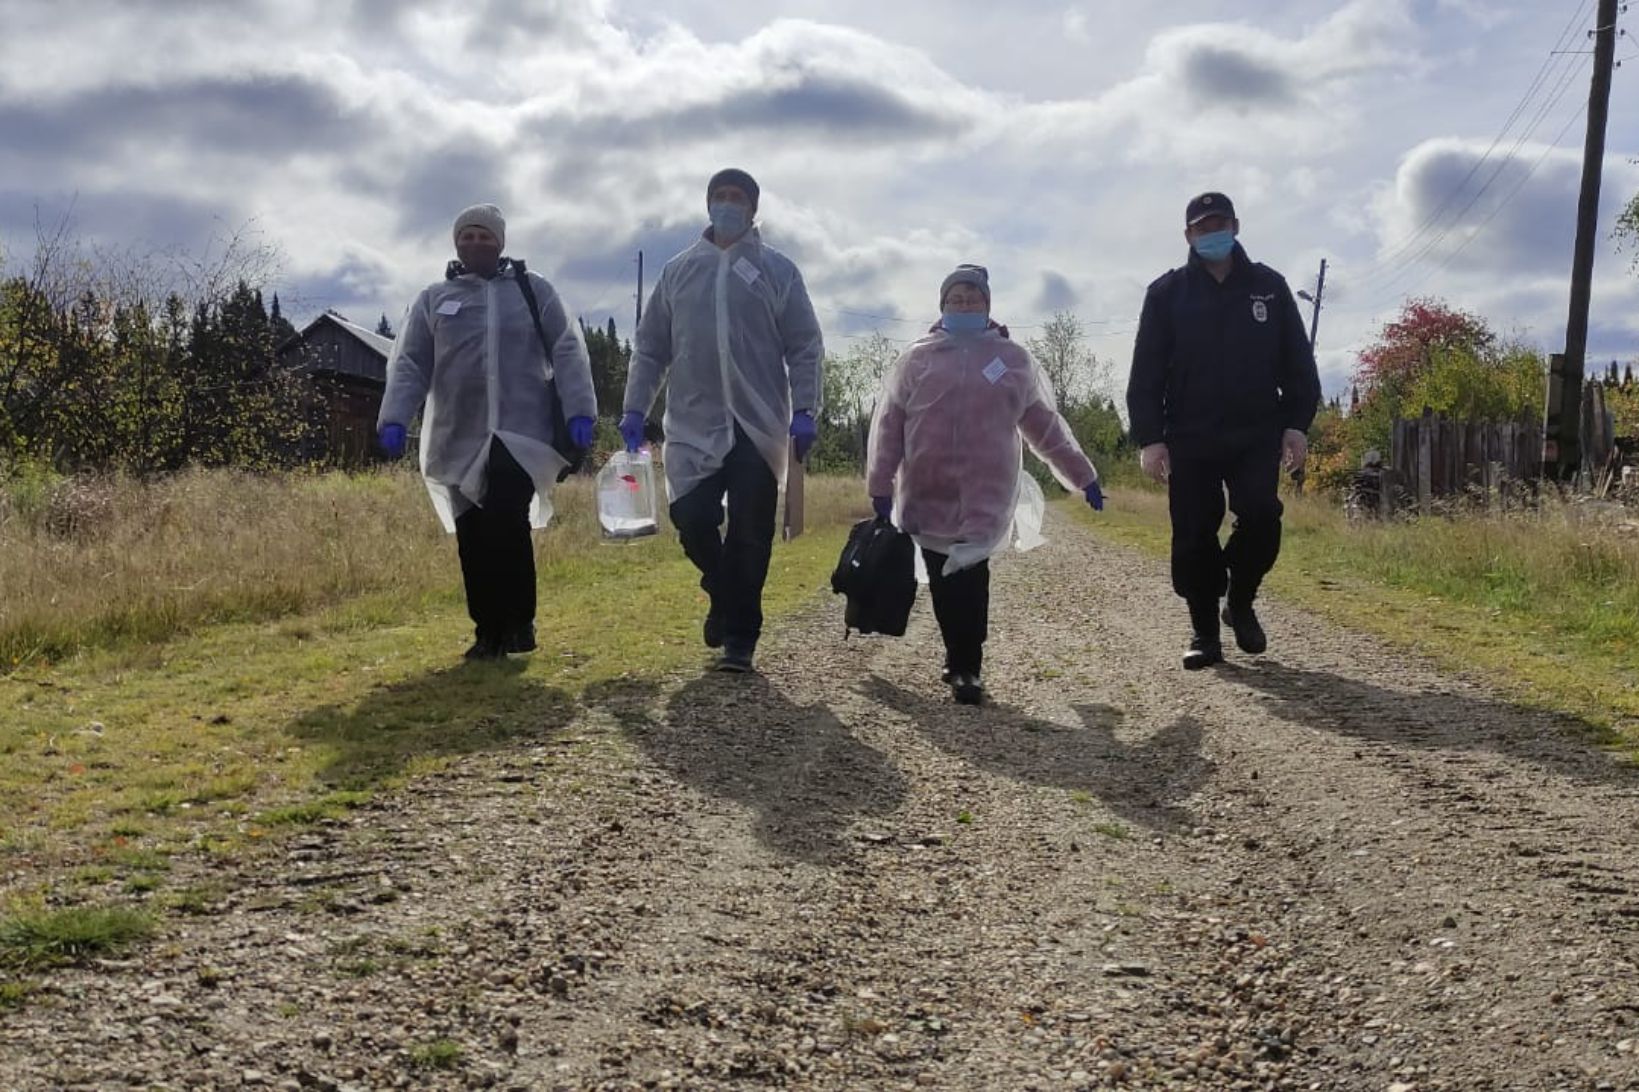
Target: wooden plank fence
<point>1434,462</point>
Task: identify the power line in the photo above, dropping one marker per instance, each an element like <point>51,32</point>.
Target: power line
<point>1509,196</point>
<point>1405,269</point>
<point>1519,108</point>
<point>616,279</point>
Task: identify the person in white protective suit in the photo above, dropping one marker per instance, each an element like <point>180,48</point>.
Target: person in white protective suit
<point>731,328</point>
<point>469,350</point>
<point>945,445</point>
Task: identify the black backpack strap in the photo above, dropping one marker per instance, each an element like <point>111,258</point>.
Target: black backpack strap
<point>528,290</point>
<point>561,442</point>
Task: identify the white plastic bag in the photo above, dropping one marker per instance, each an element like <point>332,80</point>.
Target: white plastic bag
<point>626,497</point>
<point>1028,514</point>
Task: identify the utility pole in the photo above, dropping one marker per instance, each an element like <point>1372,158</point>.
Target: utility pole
<point>1561,439</point>
<point>1320,290</point>
<point>639,293</point>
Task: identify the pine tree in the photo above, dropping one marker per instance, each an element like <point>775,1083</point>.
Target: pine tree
<point>283,331</point>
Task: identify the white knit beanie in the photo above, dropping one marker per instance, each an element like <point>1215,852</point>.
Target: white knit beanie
<point>485,216</point>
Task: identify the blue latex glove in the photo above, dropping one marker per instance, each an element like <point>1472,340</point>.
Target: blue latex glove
<point>804,432</point>
<point>1094,495</point>
<point>580,432</point>
<point>882,506</point>
<point>631,429</point>
<point>392,439</point>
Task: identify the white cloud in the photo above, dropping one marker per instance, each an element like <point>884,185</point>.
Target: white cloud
<point>1055,144</point>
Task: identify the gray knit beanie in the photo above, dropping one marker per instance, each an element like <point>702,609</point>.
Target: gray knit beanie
<point>976,275</point>
<point>485,216</point>
<point>734,176</point>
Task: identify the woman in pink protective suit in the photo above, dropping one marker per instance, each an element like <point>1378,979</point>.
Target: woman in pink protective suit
<point>945,444</point>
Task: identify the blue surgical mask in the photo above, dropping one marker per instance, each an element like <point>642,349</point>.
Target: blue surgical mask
<point>964,322</point>
<point>1215,246</point>
<point>728,220</point>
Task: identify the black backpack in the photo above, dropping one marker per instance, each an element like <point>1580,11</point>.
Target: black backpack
<point>877,572</point>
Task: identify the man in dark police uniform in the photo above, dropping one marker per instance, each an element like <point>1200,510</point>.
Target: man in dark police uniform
<point>1222,392</point>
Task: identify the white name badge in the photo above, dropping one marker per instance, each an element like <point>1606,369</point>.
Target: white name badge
<point>748,272</point>
<point>449,307</point>
<point>995,370</point>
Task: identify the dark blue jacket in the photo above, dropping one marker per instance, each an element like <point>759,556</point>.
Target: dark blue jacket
<point>1218,366</point>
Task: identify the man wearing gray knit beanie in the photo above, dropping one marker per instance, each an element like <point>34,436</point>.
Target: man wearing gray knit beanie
<point>731,331</point>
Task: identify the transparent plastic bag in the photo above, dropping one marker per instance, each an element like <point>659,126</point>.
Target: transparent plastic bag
<point>1028,514</point>
<point>626,496</point>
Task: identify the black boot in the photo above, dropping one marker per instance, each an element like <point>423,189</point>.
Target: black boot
<point>486,647</point>
<point>521,639</point>
<point>1204,647</point>
<point>711,631</point>
<point>1249,635</point>
<point>967,689</point>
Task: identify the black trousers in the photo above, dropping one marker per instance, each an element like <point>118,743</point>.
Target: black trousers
<point>961,604</point>
<point>1202,570</point>
<point>497,556</point>
<point>733,566</point>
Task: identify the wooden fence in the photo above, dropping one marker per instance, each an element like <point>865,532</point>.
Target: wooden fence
<point>1434,462</point>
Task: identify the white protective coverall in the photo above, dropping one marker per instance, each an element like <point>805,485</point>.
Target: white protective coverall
<point>468,349</point>
<point>738,333</point>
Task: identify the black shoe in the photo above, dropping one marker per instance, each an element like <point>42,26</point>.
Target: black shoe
<point>1249,635</point>
<point>967,689</point>
<point>521,639</point>
<point>712,631</point>
<point>1202,653</point>
<point>736,659</point>
<point>485,648</point>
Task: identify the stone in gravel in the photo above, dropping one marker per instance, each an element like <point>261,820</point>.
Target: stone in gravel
<point>1126,970</point>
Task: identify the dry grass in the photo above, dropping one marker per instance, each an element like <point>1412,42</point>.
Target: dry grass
<point>100,563</point>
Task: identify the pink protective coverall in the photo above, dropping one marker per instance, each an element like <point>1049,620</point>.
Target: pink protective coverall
<point>948,426</point>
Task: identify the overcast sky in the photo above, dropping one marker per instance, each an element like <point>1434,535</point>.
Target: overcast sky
<point>1056,143</point>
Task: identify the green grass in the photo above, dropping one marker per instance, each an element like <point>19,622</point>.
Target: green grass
<point>229,733</point>
<point>438,1054</point>
<point>1544,604</point>
<point>48,937</point>
<point>331,806</point>
<point>13,994</point>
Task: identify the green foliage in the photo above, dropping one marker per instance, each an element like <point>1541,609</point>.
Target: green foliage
<point>41,938</point>
<point>438,1054</point>
<point>1626,232</point>
<point>1623,402</point>
<point>611,359</point>
<point>1504,383</point>
<point>115,384</point>
<point>851,384</point>
<point>1429,357</point>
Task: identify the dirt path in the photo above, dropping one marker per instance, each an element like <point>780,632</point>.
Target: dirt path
<point>1330,868</point>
